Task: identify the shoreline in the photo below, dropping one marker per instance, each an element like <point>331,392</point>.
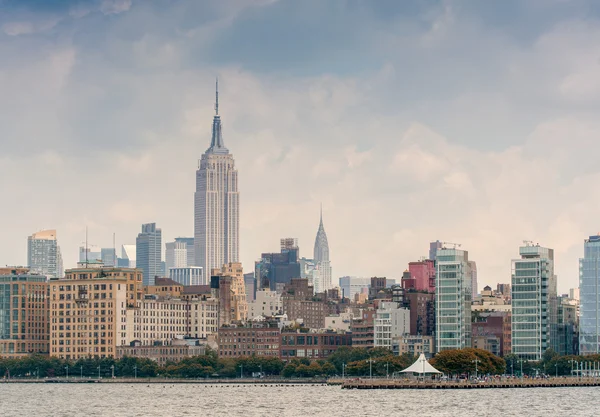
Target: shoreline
<point>239,381</point>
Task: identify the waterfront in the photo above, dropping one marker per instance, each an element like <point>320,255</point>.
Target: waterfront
<point>292,400</point>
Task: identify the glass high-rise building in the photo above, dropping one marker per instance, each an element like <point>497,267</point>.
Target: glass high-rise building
<point>216,205</point>
<point>589,298</point>
<point>534,309</point>
<point>43,254</point>
<point>453,299</point>
<point>148,252</point>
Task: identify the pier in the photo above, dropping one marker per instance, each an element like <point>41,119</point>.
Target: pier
<point>504,383</point>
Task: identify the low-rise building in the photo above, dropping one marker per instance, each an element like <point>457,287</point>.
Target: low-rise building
<point>261,338</point>
<point>414,345</point>
<point>313,344</point>
<point>363,329</point>
<point>340,322</point>
<point>174,351</point>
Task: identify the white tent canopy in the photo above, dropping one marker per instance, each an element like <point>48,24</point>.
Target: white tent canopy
<point>421,366</point>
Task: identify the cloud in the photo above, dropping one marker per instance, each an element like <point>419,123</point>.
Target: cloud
<point>115,6</point>
<point>410,122</point>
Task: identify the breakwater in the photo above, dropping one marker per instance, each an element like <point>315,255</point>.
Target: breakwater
<point>251,381</point>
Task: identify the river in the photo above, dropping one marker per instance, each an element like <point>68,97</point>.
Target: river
<point>292,400</point>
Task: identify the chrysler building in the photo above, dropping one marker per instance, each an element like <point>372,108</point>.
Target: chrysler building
<point>216,204</point>
<point>321,259</point>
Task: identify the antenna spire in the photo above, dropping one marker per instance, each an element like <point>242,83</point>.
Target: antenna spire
<point>217,97</point>
<point>321,213</point>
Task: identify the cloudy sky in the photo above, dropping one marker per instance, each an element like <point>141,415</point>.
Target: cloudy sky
<point>464,121</point>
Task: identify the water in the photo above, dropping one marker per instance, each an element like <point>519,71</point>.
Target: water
<point>248,401</point>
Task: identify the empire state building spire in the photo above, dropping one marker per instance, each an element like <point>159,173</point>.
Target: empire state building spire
<point>216,144</point>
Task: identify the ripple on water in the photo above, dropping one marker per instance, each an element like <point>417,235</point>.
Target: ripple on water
<point>249,401</point>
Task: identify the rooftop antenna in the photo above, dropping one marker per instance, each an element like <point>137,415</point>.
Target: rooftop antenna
<point>114,250</point>
<point>86,247</point>
<point>217,97</point>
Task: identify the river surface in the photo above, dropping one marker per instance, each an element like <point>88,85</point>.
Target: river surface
<point>300,400</point>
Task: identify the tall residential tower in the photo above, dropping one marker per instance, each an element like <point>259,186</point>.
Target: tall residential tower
<point>589,289</point>
<point>216,204</point>
<point>453,299</point>
<point>43,254</point>
<point>534,300</point>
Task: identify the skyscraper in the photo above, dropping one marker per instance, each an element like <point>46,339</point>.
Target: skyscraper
<point>474,288</point>
<point>534,308</point>
<point>453,299</point>
<point>589,290</point>
<point>274,270</point>
<point>321,258</point>
<point>43,254</point>
<point>216,204</point>
<point>180,253</point>
<point>148,252</point>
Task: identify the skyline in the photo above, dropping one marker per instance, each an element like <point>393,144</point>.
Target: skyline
<point>445,112</point>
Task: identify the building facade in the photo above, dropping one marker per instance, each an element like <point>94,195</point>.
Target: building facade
<point>534,309</point>
<point>180,253</point>
<point>423,272</point>
<point>256,339</point>
<point>363,329</point>
<point>351,286</point>
<point>216,204</point>
<point>267,303</point>
<point>43,254</point>
<point>589,296</point>
<point>312,345</point>
<point>161,354</point>
<point>414,345</point>
<point>275,270</point>
<point>453,299</point>
<point>422,312</point>
<point>148,252</point>
<point>228,286</point>
<point>161,320</point>
<point>390,321</point>
<point>23,313</point>
<point>299,304</point>
<point>88,310</point>
<point>189,275</point>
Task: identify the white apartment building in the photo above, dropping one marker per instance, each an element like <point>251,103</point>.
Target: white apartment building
<point>390,321</point>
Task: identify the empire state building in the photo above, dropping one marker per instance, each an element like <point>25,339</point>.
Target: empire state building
<point>216,204</point>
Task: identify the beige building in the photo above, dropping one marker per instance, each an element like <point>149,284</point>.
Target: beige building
<point>414,344</point>
<point>165,319</point>
<point>267,303</point>
<point>23,313</point>
<point>231,293</point>
<point>89,309</point>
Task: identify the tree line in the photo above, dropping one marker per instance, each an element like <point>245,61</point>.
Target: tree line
<point>348,361</point>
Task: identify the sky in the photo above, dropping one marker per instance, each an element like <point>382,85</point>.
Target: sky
<point>461,121</point>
